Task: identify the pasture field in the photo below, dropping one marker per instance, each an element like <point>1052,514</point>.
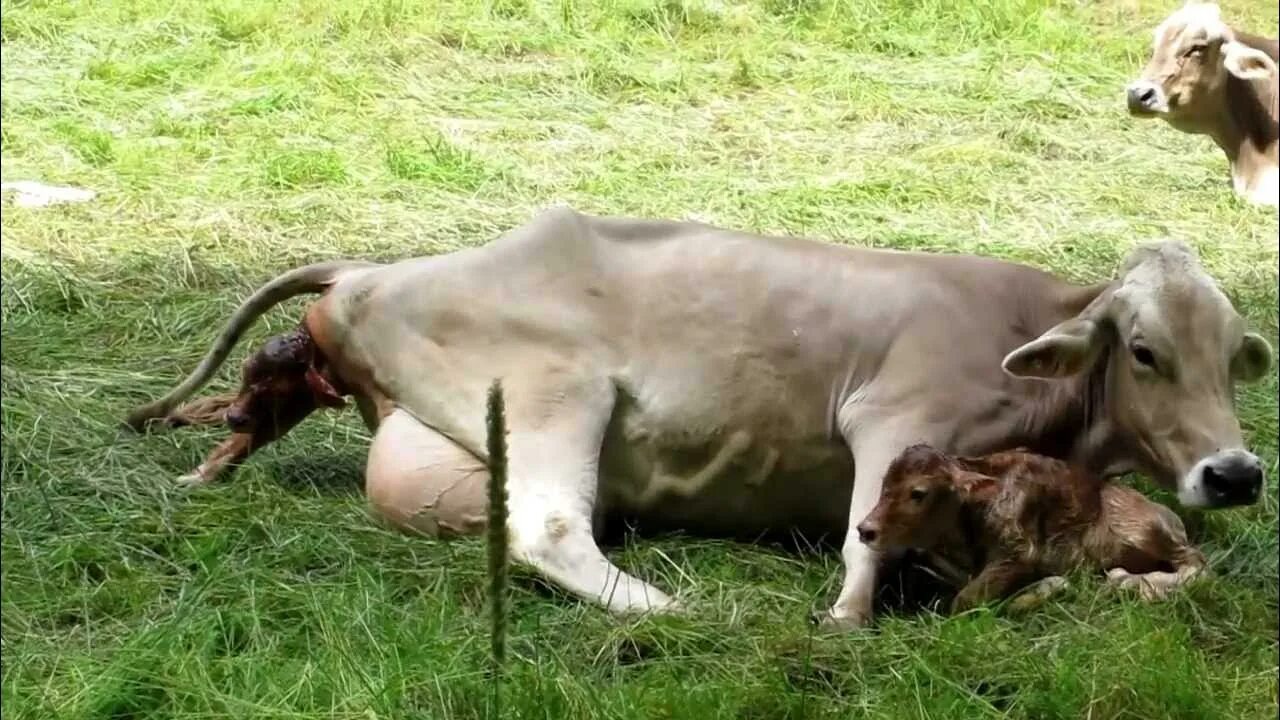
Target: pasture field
<point>229,141</point>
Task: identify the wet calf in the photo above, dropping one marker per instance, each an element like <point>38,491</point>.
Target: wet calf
<point>1011,518</point>
<point>281,384</point>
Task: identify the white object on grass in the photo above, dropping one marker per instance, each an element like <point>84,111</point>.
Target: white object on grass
<point>29,193</point>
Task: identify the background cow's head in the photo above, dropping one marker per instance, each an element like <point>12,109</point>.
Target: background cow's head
<point>1167,347</point>
<point>1185,81</point>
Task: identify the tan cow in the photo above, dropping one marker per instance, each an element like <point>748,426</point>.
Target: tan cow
<point>1207,78</point>
<point>727,382</point>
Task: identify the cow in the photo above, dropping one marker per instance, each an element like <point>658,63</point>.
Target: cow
<point>1014,518</point>
<point>1205,77</point>
<point>696,377</point>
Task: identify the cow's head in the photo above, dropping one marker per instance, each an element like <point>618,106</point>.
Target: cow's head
<point>1165,348</point>
<point>1185,81</point>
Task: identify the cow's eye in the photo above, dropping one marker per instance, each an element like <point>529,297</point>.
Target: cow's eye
<point>917,494</point>
<point>1143,356</point>
<point>1196,50</point>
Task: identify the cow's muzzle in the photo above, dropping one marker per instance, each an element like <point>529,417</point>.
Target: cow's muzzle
<point>1225,479</point>
<point>1145,98</point>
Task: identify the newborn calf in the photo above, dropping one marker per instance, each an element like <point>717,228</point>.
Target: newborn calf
<point>281,384</point>
<point>1014,517</point>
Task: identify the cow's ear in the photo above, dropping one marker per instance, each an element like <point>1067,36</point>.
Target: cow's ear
<point>1247,63</point>
<point>1252,360</point>
<point>1064,350</point>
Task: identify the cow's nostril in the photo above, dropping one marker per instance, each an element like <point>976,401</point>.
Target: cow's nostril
<point>867,535</point>
<point>1147,96</point>
<point>1233,481</point>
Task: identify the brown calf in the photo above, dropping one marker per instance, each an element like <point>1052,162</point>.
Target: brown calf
<point>1014,517</point>
<point>281,384</point>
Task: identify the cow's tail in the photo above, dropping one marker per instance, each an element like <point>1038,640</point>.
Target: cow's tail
<point>309,279</point>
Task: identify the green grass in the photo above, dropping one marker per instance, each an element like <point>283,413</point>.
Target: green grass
<point>230,141</point>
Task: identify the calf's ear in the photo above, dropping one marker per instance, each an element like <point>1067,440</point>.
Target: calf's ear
<point>973,486</point>
<point>1064,350</point>
<point>1247,63</point>
<point>1252,360</point>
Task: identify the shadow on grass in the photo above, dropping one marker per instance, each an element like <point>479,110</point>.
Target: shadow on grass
<point>907,586</point>
<point>330,473</point>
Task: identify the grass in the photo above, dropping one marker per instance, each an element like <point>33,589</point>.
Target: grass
<point>230,141</point>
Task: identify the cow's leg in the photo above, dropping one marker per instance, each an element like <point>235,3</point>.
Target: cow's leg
<point>874,447</point>
<point>422,482</point>
<point>556,432</point>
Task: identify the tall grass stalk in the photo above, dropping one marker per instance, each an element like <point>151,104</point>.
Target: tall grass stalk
<point>496,422</point>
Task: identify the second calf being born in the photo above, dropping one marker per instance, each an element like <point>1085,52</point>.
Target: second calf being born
<point>1015,517</point>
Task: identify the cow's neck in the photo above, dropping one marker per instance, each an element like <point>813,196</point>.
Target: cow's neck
<point>1246,131</point>
<point>1070,418</point>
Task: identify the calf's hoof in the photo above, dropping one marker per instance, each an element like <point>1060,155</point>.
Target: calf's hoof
<point>1037,593</point>
<point>1149,586</point>
<point>192,479</point>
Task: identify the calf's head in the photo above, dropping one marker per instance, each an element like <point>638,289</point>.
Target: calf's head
<point>1162,349</point>
<point>920,499</point>
<point>280,379</point>
<point>1194,57</point>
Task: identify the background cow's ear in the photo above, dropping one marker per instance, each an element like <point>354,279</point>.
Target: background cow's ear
<point>1252,360</point>
<point>1247,63</point>
<point>1065,350</point>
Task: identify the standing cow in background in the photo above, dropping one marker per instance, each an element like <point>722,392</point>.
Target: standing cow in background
<point>726,382</point>
<point>1208,78</point>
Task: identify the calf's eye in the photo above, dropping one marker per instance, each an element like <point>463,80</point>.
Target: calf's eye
<point>918,494</point>
<point>1143,356</point>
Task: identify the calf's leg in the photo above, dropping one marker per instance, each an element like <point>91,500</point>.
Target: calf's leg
<point>1037,593</point>
<point>1188,564</point>
<point>1148,538</point>
<point>237,448</point>
<point>998,580</point>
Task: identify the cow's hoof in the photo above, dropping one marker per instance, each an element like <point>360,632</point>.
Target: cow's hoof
<point>829,622</point>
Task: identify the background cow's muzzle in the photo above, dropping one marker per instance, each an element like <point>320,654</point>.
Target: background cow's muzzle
<point>1225,479</point>
<point>1145,98</point>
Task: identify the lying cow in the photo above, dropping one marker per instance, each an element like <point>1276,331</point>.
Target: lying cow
<point>1015,517</point>
<point>1207,78</point>
<point>725,382</point>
